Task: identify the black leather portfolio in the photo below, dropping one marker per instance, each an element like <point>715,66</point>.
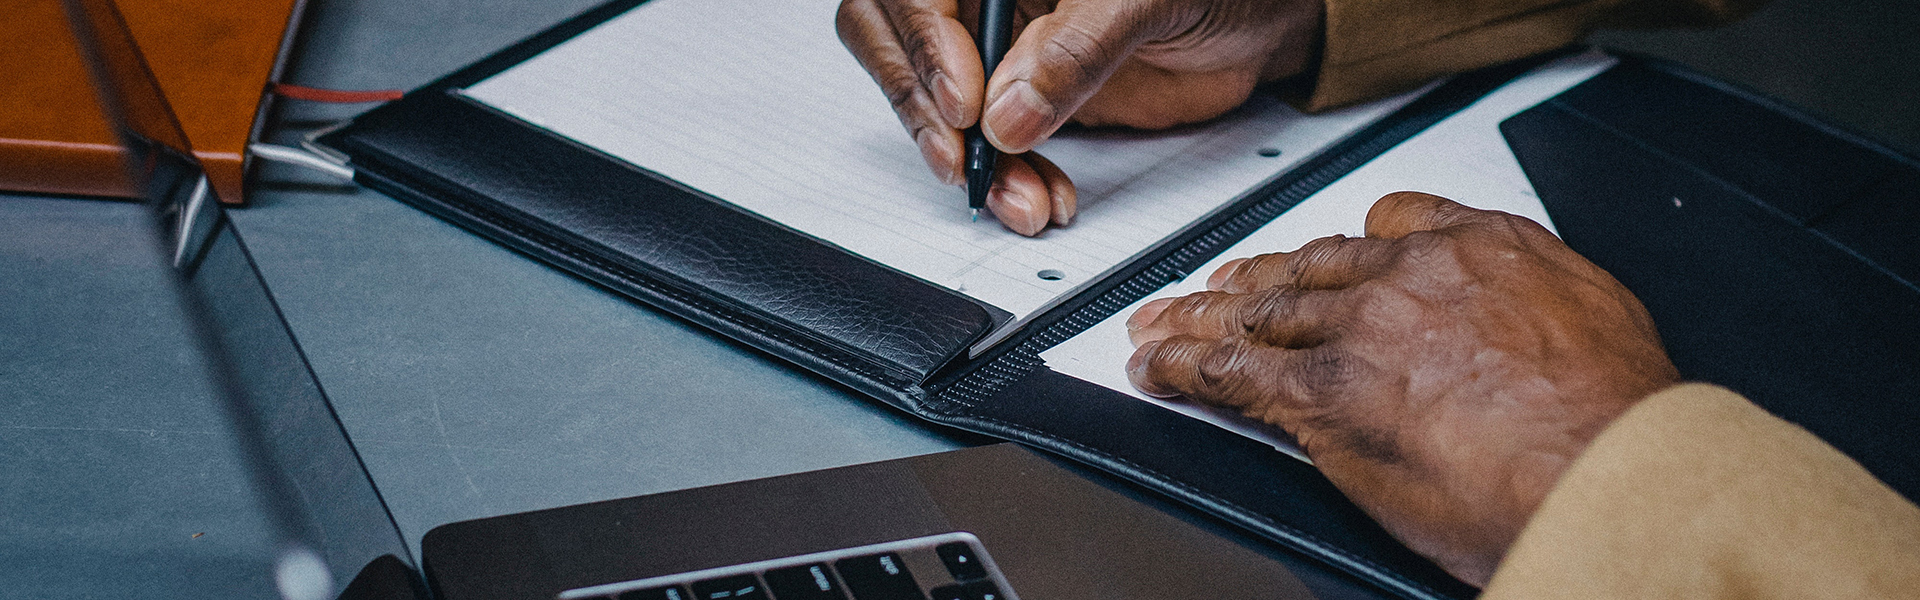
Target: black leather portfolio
<point>1605,156</point>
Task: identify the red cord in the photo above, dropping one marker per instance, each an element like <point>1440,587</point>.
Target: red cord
<point>301,92</point>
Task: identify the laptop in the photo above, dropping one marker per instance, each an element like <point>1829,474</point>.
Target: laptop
<point>996,522</point>
<point>982,523</point>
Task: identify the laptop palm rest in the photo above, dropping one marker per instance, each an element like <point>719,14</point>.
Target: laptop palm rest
<point>1054,534</point>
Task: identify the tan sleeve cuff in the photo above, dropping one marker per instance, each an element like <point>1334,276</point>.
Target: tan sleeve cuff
<point>1698,493</point>
<point>1375,48</point>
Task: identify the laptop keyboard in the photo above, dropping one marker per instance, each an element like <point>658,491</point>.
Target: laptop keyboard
<point>949,566</point>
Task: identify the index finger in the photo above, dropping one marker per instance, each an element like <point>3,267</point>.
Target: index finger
<point>1282,317</point>
<point>1328,263</point>
<point>867,31</point>
<point>943,56</point>
<point>1278,386</point>
<point>1398,214</point>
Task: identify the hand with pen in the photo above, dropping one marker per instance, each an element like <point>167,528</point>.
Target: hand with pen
<point>1147,64</point>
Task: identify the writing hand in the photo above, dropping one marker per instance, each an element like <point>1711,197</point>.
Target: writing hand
<point>1441,371</point>
<point>1135,63</point>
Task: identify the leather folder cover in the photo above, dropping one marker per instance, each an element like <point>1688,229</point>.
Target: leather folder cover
<point>899,339</point>
<point>213,59</point>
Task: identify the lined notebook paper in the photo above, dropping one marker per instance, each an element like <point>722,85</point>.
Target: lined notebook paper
<point>758,104</point>
<point>1463,158</point>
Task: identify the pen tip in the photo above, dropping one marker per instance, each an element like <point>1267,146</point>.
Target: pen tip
<point>976,214</point>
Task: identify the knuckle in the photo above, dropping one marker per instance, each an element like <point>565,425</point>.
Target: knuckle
<point>1526,230</point>
<point>918,38</point>
<point>1171,363</point>
<point>1170,354</point>
<point>904,93</point>
<point>1461,213</point>
<point>900,91</point>
<point>1409,197</point>
<point>1403,205</point>
<point>1271,307</point>
<point>1079,48</point>
<point>1222,367</point>
<point>905,106</point>
<point>1323,244</point>
<point>1196,305</point>
<point>1314,254</point>
<point>1252,272</point>
<point>1423,245</point>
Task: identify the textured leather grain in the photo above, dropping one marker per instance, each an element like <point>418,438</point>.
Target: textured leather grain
<point>656,241</point>
<point>213,58</point>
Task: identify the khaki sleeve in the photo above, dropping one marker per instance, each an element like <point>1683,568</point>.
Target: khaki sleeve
<point>1375,48</point>
<point>1698,493</point>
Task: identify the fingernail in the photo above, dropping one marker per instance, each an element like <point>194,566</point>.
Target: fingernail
<point>1137,364</point>
<point>1017,119</point>
<point>1147,313</point>
<point>1218,280</point>
<point>1064,202</point>
<point>1137,372</point>
<point>1062,214</point>
<point>947,96</point>
<point>1016,211</point>
<point>938,156</point>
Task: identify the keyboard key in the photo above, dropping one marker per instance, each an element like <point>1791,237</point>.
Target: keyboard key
<point>961,561</point>
<point>665,593</point>
<point>977,590</point>
<point>878,577</point>
<point>737,587</point>
<point>805,582</point>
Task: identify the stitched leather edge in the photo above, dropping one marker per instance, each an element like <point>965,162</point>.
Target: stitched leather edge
<point>606,273</point>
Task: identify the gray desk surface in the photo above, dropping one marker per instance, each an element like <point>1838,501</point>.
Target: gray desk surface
<point>473,381</point>
<point>476,382</point>
<point>117,474</point>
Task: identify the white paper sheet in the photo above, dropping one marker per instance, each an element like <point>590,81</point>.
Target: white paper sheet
<point>758,104</point>
<point>1463,158</point>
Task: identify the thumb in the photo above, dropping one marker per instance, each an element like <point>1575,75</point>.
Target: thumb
<point>1056,64</point>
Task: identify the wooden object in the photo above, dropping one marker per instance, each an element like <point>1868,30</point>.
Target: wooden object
<point>213,59</point>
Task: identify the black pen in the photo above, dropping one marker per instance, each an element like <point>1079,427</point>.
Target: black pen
<point>996,35</point>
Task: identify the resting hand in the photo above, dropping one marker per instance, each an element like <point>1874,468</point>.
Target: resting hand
<point>1442,371</point>
<point>1136,63</point>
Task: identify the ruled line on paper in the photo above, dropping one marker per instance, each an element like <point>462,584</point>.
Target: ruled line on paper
<point>758,104</point>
